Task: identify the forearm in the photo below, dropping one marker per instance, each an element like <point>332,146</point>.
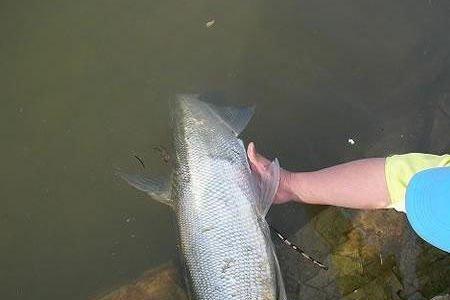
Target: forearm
<point>358,184</point>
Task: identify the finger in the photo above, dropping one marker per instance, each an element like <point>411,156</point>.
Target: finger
<point>252,156</point>
<point>258,159</point>
<point>251,151</point>
<point>258,162</point>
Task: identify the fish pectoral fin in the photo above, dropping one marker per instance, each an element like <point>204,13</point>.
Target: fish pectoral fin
<point>156,187</point>
<point>236,118</point>
<point>267,187</point>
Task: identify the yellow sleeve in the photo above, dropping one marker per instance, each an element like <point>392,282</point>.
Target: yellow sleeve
<point>400,169</point>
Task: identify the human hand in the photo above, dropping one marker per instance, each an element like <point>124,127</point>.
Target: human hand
<point>259,165</point>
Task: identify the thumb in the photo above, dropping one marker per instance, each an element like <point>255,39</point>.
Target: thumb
<point>258,163</point>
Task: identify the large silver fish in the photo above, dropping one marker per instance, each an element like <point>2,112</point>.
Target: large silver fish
<point>219,204</point>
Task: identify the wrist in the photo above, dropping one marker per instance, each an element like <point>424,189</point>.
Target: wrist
<point>298,182</point>
<point>289,182</point>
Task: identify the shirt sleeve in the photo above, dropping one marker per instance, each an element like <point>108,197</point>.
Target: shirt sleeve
<point>399,170</point>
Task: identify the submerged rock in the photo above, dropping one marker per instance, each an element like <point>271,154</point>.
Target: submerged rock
<point>371,255</point>
<point>161,283</point>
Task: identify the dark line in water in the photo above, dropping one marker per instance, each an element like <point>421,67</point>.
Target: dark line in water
<point>140,160</point>
<point>297,249</point>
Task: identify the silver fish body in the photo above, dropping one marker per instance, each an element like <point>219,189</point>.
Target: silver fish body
<point>223,234</point>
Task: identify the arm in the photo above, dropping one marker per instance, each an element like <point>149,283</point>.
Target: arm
<point>358,184</point>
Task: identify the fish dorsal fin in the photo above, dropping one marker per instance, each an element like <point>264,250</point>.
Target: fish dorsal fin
<point>267,186</point>
<point>156,187</point>
<point>236,118</point>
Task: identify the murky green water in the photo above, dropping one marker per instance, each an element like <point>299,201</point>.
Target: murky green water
<point>84,85</point>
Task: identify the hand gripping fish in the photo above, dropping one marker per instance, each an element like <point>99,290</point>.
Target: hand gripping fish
<point>219,204</point>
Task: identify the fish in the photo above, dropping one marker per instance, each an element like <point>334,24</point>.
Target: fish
<point>220,205</point>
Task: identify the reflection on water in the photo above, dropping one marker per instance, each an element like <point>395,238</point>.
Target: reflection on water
<point>85,85</point>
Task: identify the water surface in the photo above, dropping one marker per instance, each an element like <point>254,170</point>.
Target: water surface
<point>85,85</point>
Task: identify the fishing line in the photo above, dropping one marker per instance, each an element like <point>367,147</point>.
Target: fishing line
<point>297,249</point>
